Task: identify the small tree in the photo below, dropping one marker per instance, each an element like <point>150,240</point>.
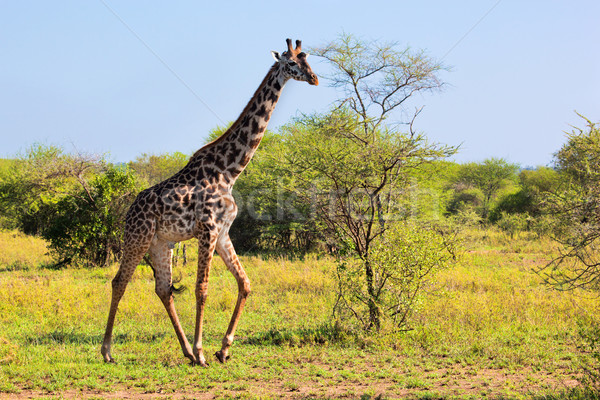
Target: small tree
<point>464,199</point>
<point>534,185</point>
<point>574,207</point>
<point>404,261</point>
<point>354,168</point>
<point>489,176</point>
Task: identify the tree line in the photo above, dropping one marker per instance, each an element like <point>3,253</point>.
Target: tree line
<point>278,212</point>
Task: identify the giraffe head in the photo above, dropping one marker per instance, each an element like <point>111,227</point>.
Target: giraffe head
<point>294,65</point>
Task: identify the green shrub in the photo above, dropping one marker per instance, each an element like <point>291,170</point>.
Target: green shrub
<point>513,223</point>
<point>86,226</point>
<point>589,342</point>
<point>403,261</point>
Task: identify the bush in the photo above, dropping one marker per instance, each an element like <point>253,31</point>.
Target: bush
<point>465,199</point>
<point>32,184</point>
<point>513,223</point>
<point>543,225</point>
<point>403,260</point>
<point>86,226</point>
<point>589,342</point>
<point>513,203</point>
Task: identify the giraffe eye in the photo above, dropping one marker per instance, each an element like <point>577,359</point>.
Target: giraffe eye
<point>291,63</point>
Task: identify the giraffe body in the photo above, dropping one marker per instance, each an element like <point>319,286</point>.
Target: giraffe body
<point>197,202</point>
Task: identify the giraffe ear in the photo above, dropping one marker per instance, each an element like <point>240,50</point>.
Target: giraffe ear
<point>276,56</point>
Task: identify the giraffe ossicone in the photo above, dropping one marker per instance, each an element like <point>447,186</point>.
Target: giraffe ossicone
<point>197,202</point>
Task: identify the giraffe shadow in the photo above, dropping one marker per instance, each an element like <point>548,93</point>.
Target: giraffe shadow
<point>75,338</point>
<point>20,266</point>
<point>318,335</point>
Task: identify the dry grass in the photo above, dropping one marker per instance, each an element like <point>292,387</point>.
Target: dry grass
<point>20,251</point>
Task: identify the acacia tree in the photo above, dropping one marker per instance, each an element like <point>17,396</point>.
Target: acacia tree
<point>38,179</point>
<point>489,176</point>
<point>353,164</point>
<point>156,168</point>
<point>576,208</point>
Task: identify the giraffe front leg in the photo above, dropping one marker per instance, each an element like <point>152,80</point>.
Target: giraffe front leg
<point>227,252</point>
<point>206,248</point>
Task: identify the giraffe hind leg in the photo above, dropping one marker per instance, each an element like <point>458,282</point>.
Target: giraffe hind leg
<point>160,253</point>
<point>131,258</point>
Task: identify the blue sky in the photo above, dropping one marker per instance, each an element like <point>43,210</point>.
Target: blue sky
<point>72,74</point>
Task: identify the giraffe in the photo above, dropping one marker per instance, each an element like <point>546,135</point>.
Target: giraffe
<point>197,202</point>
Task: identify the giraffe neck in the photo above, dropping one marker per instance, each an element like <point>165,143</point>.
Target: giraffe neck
<point>235,148</point>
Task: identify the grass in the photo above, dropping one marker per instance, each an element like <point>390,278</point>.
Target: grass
<point>21,252</point>
<point>486,329</point>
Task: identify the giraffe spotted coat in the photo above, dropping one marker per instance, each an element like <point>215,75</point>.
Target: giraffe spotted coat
<point>197,203</point>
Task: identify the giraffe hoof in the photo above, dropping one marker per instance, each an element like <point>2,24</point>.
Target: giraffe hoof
<point>219,355</point>
<point>200,363</point>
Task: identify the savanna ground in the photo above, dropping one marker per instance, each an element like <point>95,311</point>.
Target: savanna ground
<point>487,328</point>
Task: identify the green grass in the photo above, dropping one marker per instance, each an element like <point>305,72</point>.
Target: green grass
<point>486,329</point>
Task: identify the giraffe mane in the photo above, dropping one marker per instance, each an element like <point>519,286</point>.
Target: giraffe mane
<point>238,121</point>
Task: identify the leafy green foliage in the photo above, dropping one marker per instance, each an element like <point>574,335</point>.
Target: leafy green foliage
<point>576,208</point>
<point>346,175</point>
<point>76,202</point>
<point>489,178</point>
<point>353,168</point>
<point>465,198</point>
<point>153,169</point>
<point>39,179</point>
<point>271,218</point>
<point>579,158</point>
<point>403,260</point>
<point>430,189</point>
<point>269,205</point>
<point>534,186</point>
<point>589,339</point>
<point>87,225</point>
<point>513,223</point>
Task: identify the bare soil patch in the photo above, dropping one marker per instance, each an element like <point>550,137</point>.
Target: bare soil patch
<point>459,382</point>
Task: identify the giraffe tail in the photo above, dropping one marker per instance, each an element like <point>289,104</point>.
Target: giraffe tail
<point>174,288</point>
